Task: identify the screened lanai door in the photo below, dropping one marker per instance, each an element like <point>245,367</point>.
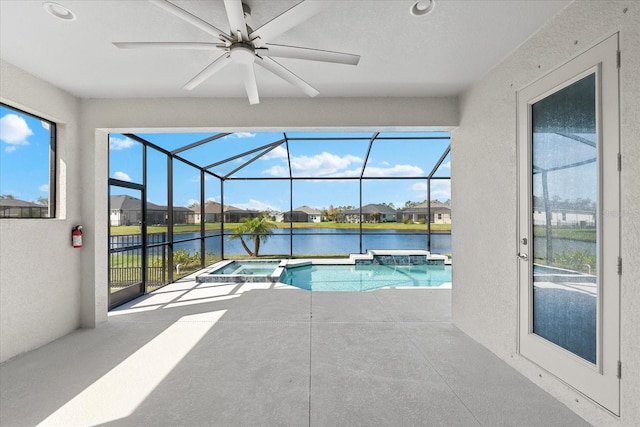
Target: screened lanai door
<point>127,260</point>
<point>569,230</point>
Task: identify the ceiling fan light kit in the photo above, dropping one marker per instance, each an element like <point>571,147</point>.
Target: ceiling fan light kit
<point>245,47</point>
<point>242,53</point>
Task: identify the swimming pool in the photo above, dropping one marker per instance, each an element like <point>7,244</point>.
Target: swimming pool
<point>360,272</point>
<point>356,278</point>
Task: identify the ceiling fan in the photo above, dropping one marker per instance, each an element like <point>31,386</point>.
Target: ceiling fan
<point>245,47</point>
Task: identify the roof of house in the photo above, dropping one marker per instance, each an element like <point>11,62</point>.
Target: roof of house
<point>127,203</point>
<point>214,207</point>
<point>17,203</point>
<point>306,209</point>
<point>422,208</point>
<point>371,208</point>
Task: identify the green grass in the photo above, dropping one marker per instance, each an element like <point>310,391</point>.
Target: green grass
<point>215,226</point>
<point>583,234</point>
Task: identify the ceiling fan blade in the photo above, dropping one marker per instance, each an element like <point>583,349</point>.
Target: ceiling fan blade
<point>250,84</point>
<point>217,65</point>
<point>282,51</point>
<point>168,45</point>
<point>190,18</point>
<point>287,75</point>
<point>235,14</point>
<point>289,19</point>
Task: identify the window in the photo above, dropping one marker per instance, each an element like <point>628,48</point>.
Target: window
<point>27,165</point>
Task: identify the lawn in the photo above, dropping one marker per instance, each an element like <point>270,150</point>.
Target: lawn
<point>583,234</point>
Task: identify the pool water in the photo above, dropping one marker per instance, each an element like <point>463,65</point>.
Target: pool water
<point>354,278</point>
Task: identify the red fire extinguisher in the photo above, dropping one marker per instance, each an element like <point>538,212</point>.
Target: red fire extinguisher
<point>76,236</point>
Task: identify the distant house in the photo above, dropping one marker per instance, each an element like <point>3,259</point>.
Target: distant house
<point>182,215</point>
<point>565,217</point>
<point>440,213</point>
<point>14,208</point>
<point>370,213</point>
<point>127,210</point>
<point>214,212</point>
<point>303,214</point>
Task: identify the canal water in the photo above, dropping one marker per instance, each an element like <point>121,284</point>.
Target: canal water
<point>316,241</point>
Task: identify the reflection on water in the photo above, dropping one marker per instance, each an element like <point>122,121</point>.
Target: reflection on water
<point>309,242</point>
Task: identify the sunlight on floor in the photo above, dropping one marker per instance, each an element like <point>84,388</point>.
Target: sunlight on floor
<point>137,376</point>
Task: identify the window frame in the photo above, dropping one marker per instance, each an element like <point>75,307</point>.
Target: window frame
<point>53,128</point>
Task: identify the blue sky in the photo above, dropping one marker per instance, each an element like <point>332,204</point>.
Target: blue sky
<point>327,159</point>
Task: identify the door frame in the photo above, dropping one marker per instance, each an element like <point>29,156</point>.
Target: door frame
<point>599,382</point>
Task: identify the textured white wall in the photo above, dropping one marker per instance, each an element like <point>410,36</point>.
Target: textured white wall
<point>39,270</point>
<point>484,194</point>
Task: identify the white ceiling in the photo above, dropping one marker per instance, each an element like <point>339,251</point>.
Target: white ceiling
<point>440,54</point>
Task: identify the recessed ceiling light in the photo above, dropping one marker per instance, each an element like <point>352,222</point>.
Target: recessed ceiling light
<point>422,7</point>
<point>59,11</point>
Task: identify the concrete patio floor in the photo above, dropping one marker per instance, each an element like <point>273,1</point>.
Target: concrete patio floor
<point>237,355</point>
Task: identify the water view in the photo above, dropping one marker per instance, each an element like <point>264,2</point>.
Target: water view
<point>316,241</point>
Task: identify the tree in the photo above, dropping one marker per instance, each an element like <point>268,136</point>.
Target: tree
<point>257,229</point>
<point>409,204</point>
<point>43,201</point>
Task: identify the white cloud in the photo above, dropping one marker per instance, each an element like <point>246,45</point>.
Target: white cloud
<point>192,202</point>
<point>211,199</point>
<point>245,134</point>
<point>44,188</point>
<point>277,171</point>
<point>10,148</point>
<point>120,143</point>
<point>14,130</point>
<point>45,125</point>
<point>332,165</point>
<point>277,153</point>
<point>440,190</point>
<point>121,176</point>
<point>323,164</point>
<point>255,205</point>
<point>397,170</point>
<point>446,165</point>
<point>240,135</point>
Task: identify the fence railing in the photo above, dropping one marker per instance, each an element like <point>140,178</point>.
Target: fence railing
<point>126,261</point>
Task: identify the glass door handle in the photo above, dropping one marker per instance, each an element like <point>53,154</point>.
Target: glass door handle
<point>523,257</point>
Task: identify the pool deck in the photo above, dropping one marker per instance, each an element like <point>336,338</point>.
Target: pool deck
<point>260,354</point>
